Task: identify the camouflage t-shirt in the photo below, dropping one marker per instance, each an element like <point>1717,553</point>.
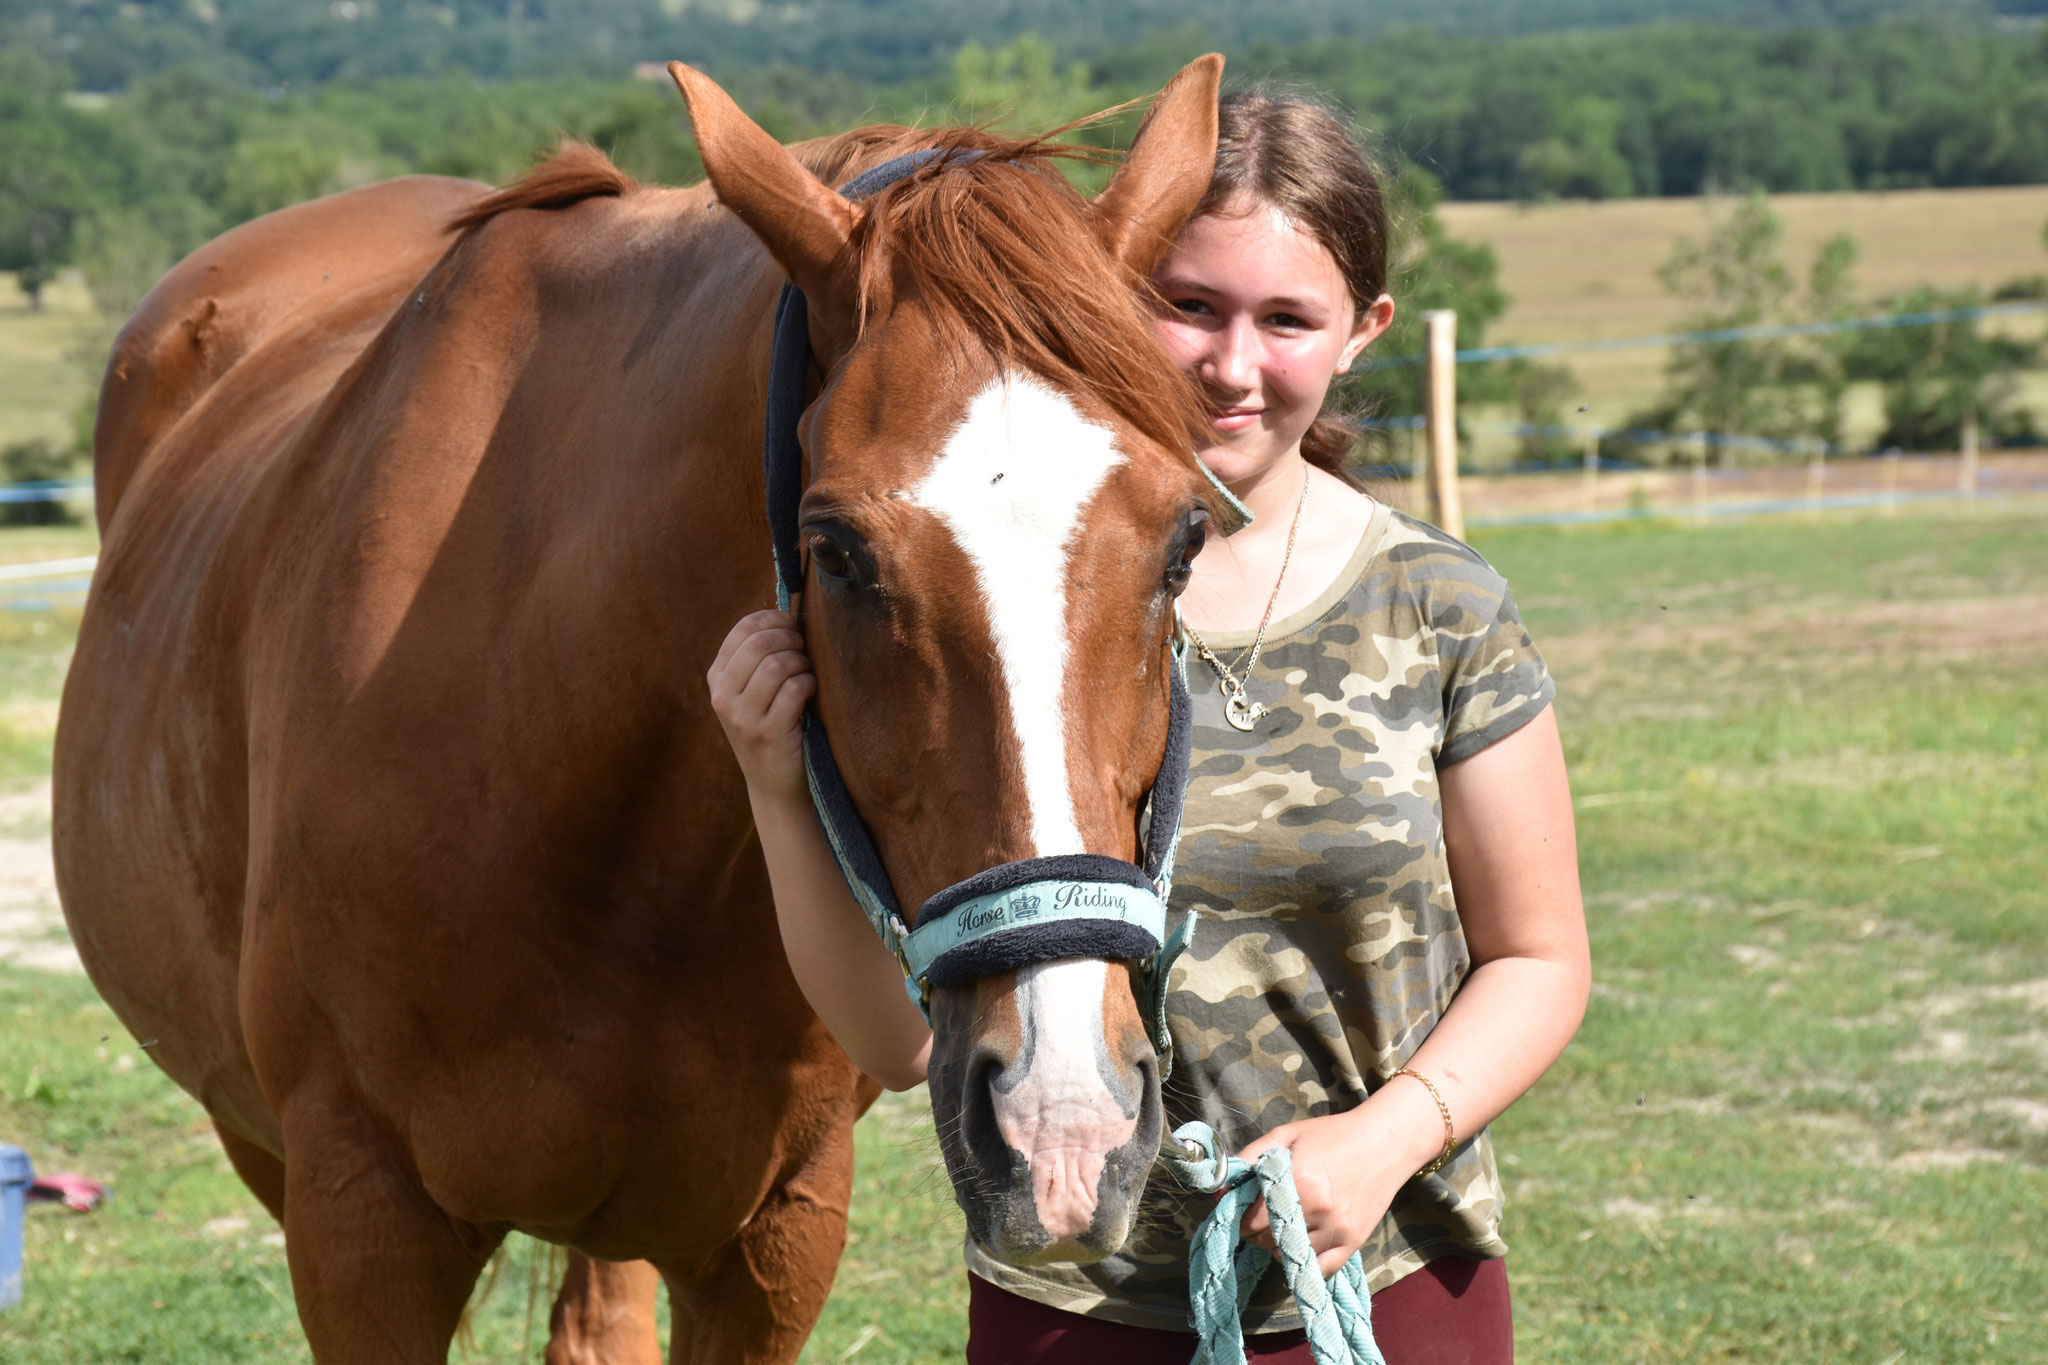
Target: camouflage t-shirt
<point>1328,944</point>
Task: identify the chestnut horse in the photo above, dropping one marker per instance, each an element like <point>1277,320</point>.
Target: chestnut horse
<point>389,803</point>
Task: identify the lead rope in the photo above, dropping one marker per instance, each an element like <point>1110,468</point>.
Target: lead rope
<point>1222,1271</point>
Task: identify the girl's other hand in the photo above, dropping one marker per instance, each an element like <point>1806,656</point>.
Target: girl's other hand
<point>1347,1169</point>
<point>759,684</point>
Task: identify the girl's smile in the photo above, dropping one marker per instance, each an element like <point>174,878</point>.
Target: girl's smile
<point>1257,310</point>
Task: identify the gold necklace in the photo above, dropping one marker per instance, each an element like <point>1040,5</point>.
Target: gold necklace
<point>1240,710</point>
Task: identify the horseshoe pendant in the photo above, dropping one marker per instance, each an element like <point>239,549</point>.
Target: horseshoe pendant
<point>1240,712</point>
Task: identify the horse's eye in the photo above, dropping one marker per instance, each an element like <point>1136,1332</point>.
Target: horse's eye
<point>1194,535</point>
<point>831,559</point>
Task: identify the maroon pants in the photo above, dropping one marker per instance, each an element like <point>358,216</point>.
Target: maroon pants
<point>1453,1311</point>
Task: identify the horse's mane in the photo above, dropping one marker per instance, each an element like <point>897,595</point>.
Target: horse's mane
<point>577,171</point>
<point>998,247</point>
<point>1002,251</point>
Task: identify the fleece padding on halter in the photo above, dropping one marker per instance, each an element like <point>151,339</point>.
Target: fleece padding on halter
<point>1032,910</point>
<point>1069,905</point>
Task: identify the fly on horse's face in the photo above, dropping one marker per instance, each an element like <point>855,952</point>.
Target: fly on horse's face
<point>1002,503</point>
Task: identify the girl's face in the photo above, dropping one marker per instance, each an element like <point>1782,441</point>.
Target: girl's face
<point>1256,309</point>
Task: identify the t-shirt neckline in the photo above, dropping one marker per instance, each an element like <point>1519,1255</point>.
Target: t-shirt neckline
<point>1362,555</point>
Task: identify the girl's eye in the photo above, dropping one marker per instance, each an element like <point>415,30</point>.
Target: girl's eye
<point>1289,322</point>
<point>1191,307</point>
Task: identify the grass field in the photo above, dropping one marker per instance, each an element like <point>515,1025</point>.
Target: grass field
<point>41,384</point>
<point>1806,1119</point>
<point>1580,271</point>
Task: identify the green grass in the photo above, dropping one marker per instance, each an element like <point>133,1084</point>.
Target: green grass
<point>1806,1119</point>
<point>1807,1116</point>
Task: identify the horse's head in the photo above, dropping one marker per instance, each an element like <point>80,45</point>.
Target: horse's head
<point>1002,503</point>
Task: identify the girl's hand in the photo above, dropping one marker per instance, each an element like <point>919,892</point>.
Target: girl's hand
<point>1348,1167</point>
<point>759,684</point>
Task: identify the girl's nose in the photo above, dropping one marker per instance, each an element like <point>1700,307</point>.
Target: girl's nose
<point>1230,361</point>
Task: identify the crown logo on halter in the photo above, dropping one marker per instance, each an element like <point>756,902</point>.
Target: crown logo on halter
<point>1024,906</point>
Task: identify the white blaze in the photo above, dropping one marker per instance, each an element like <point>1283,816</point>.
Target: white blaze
<point>1058,1112</point>
<point>1011,483</point>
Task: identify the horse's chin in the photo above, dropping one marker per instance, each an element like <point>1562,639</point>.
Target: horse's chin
<point>1003,1215</point>
<point>1014,1236</point>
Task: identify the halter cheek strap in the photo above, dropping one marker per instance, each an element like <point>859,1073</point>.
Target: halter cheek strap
<point>1032,910</point>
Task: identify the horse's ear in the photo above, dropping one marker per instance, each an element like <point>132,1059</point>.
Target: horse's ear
<point>1142,208</point>
<point>806,226</point>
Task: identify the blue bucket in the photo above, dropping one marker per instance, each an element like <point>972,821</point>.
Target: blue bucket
<point>15,1177</point>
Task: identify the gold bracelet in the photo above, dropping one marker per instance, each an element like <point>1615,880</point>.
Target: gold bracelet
<point>1450,1134</point>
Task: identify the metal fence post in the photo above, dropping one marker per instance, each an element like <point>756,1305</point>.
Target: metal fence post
<point>1440,327</point>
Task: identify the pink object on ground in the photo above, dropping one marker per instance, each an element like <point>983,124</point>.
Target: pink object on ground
<point>73,1191</point>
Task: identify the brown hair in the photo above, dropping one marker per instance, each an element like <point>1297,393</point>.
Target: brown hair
<point>1295,154</point>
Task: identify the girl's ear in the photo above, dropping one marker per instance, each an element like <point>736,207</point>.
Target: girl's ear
<point>1373,319</point>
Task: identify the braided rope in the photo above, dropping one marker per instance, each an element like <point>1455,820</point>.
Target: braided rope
<point>1222,1272</point>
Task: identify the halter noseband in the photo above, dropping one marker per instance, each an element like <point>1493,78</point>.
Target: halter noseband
<point>1032,910</point>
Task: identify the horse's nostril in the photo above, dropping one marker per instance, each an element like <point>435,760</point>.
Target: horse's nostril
<point>978,1097</point>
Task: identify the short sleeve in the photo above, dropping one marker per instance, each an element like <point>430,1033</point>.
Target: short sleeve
<point>1494,679</point>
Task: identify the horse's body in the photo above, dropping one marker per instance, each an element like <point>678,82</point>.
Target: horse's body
<point>388,806</point>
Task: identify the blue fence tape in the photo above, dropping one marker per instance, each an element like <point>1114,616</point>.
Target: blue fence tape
<point>1534,351</point>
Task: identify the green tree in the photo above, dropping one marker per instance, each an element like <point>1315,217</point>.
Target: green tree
<point>54,168</point>
<point>1737,278</point>
<point>1822,360</point>
<point>1933,375</point>
<point>264,173</point>
<point>1582,159</point>
<point>1020,85</point>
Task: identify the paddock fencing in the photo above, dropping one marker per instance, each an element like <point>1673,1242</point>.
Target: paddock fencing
<point>1690,474</point>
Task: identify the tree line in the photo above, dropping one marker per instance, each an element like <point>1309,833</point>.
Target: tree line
<point>122,183</point>
<point>114,43</point>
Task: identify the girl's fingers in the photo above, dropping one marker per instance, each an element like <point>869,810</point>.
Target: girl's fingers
<point>755,700</point>
<point>1257,1227</point>
<point>784,711</point>
<point>781,627</point>
<point>777,651</point>
<point>747,654</point>
<point>747,627</point>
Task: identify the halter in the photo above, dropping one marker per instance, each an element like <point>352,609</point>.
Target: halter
<point>1031,910</point>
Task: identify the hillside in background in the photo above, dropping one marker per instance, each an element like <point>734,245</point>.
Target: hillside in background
<point>112,43</point>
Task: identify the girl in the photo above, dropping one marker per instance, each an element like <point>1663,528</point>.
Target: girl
<point>1378,830</point>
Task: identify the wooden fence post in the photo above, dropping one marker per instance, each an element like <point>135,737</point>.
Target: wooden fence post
<point>1441,329</point>
<point>1699,477</point>
<point>1966,477</point>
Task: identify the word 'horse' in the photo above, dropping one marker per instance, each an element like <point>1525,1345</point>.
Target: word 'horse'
<point>388,797</point>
